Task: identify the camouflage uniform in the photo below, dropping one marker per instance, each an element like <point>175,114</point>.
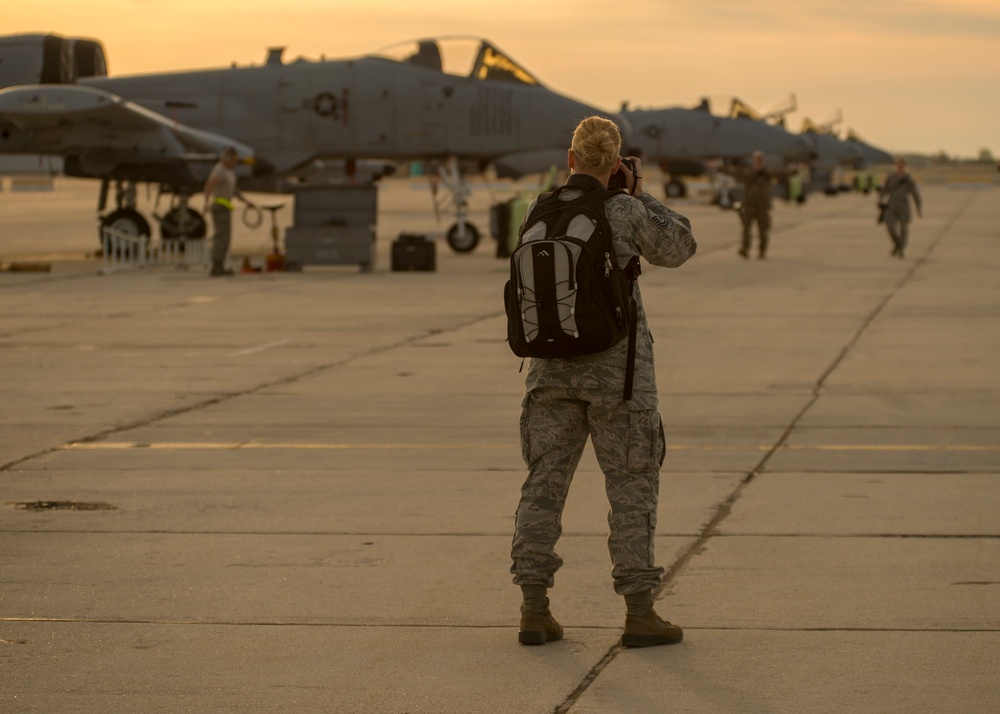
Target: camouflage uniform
<point>896,198</point>
<point>567,400</point>
<point>756,206</point>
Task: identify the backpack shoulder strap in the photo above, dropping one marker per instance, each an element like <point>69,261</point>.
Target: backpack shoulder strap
<point>632,271</point>
<point>591,199</point>
<point>589,193</point>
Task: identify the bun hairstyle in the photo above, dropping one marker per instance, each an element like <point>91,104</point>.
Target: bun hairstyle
<point>596,145</point>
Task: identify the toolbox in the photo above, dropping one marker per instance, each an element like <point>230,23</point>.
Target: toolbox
<point>413,252</point>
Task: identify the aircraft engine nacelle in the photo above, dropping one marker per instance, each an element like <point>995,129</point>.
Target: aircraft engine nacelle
<point>49,59</point>
<point>15,141</point>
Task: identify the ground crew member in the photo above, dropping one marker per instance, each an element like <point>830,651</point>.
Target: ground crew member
<point>756,205</point>
<point>796,189</point>
<point>568,400</point>
<point>220,188</point>
<point>895,200</point>
<point>864,182</point>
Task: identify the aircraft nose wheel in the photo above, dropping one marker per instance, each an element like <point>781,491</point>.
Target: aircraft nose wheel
<point>675,189</point>
<point>463,238</point>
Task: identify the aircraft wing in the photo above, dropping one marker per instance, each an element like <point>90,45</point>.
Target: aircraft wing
<point>86,122</point>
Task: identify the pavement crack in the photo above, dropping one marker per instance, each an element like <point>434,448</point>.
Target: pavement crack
<point>593,674</point>
<point>725,508</point>
<point>281,381</point>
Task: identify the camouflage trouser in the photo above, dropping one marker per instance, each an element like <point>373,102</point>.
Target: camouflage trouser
<point>899,229</point>
<point>762,217</point>
<point>222,221</point>
<point>628,441</point>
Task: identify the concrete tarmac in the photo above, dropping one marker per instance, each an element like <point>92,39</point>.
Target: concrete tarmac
<point>287,492</point>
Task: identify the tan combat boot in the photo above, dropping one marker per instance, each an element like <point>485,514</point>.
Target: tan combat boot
<point>648,630</point>
<point>539,628</point>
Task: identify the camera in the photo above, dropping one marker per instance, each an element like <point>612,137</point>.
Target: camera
<point>619,180</point>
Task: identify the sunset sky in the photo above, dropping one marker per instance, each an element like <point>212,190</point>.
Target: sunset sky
<point>908,75</point>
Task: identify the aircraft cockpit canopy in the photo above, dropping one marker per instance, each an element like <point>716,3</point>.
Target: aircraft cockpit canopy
<point>739,109</point>
<point>811,127</point>
<point>460,56</point>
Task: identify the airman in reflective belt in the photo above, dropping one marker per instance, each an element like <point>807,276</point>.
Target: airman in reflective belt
<point>219,191</point>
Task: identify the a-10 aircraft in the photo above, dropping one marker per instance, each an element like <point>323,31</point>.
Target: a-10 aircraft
<point>460,101</point>
<point>830,152</point>
<point>689,142</point>
<point>834,153</point>
<point>457,101</point>
<point>684,141</point>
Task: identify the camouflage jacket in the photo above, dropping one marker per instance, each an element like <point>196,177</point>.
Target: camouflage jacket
<point>757,185</point>
<point>641,226</point>
<point>896,194</point>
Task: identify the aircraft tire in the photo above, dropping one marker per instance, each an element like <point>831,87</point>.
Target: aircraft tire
<point>188,225</point>
<point>463,243</point>
<point>675,189</point>
<point>126,220</point>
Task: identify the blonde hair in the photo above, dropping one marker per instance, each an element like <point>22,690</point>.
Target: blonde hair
<point>596,144</point>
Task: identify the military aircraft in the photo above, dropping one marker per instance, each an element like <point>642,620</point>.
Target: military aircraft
<point>684,141</point>
<point>831,153</point>
<point>834,154</point>
<point>459,101</point>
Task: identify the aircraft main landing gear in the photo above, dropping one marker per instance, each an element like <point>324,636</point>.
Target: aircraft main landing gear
<point>182,222</point>
<point>126,220</point>
<point>125,217</point>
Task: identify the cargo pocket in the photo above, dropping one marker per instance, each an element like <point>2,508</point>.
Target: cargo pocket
<point>526,428</point>
<point>663,440</point>
<point>651,539</point>
<point>646,447</point>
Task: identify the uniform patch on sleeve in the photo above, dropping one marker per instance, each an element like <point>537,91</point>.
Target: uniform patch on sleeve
<point>657,219</point>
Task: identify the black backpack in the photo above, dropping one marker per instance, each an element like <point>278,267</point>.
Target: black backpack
<point>567,296</point>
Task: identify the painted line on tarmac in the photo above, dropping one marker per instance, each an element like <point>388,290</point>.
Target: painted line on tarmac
<point>232,446</point>
<point>320,446</point>
<point>260,348</point>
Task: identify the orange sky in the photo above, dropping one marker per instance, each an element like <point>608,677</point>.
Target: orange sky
<point>908,75</point>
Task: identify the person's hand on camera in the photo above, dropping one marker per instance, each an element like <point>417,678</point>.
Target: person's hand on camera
<point>634,178</point>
